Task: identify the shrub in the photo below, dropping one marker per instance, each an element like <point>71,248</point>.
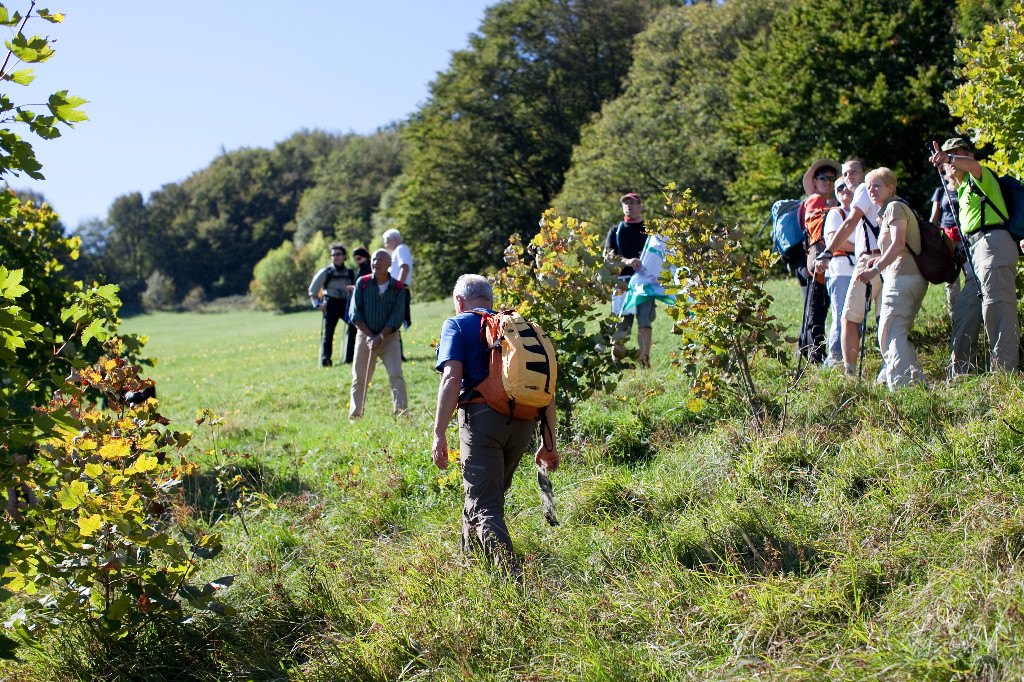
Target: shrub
<point>561,281</point>
<point>159,293</point>
<point>194,300</point>
<point>282,277</point>
<point>722,310</point>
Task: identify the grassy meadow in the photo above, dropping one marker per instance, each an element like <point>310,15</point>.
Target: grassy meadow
<point>863,535</point>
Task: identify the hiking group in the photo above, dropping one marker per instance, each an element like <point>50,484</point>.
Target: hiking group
<point>854,245</point>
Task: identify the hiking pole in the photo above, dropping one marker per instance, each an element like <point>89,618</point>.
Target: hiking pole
<point>864,331</point>
<point>366,374</point>
<point>767,220</point>
<point>806,319</point>
<point>956,216</point>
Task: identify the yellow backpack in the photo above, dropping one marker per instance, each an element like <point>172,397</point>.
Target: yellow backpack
<point>521,370</point>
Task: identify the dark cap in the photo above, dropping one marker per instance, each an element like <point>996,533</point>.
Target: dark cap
<point>360,251</point>
<point>956,143</point>
<point>630,197</point>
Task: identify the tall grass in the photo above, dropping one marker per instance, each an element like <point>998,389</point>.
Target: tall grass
<point>870,536</point>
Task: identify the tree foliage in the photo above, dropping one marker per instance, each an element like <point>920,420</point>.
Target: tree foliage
<point>281,278</point>
<point>348,188</point>
<point>88,537</point>
<point>561,280</point>
<point>17,155</point>
<point>734,100</point>
<point>838,78</point>
<point>990,97</point>
<point>667,126</point>
<point>487,152</point>
<point>721,308</point>
<point>210,230</point>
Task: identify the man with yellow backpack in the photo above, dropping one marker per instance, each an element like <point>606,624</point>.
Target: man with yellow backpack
<point>499,371</point>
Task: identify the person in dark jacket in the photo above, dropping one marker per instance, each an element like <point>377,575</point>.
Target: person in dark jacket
<point>624,242</point>
<point>329,292</point>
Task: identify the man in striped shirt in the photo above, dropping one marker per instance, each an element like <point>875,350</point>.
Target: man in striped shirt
<point>378,309</point>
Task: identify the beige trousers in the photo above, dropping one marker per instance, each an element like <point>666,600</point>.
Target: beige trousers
<point>390,353</point>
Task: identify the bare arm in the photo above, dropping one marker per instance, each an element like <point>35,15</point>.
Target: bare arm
<point>958,161</point>
<point>447,402</point>
<point>845,230</point>
<point>547,453</point>
<point>898,232</point>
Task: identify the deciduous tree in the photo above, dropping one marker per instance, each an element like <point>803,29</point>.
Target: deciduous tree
<point>489,149</point>
<point>990,97</point>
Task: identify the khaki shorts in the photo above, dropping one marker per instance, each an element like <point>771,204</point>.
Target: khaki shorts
<point>644,316</point>
<point>853,309</point>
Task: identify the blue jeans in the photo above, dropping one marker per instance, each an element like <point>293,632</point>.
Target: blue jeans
<point>837,288</point>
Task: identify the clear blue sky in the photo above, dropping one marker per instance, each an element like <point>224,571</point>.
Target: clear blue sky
<point>172,84</point>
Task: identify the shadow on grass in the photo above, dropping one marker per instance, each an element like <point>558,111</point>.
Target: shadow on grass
<point>214,492</point>
<point>749,547</point>
<point>269,640</point>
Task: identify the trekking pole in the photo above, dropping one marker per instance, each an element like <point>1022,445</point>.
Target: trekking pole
<point>366,376</point>
<point>956,217</point>
<point>864,332</point>
<point>767,220</point>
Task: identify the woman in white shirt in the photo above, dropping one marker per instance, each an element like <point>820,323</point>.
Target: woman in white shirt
<point>839,271</point>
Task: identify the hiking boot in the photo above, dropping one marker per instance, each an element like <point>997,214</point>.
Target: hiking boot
<point>644,361</point>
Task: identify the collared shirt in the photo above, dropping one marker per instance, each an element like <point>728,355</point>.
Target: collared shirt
<point>399,257</point>
<point>377,309</point>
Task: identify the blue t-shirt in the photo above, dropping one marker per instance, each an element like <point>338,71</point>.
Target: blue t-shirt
<point>460,340</point>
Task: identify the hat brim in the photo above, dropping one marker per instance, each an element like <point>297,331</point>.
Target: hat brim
<point>815,167</point>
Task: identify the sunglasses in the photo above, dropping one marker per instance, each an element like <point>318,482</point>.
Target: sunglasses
<point>825,176</point>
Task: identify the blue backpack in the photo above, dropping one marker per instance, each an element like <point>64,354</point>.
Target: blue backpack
<point>787,236</point>
<point>1013,196</point>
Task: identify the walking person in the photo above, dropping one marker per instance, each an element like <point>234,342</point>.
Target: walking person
<point>944,201</point>
<point>401,270</point>
<point>377,311</point>
<point>860,225</point>
<point>903,286</point>
<point>329,293</point>
<point>361,257</point>
<point>491,444</point>
<point>993,255</point>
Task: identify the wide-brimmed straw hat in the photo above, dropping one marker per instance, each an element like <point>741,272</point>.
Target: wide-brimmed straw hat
<point>813,170</point>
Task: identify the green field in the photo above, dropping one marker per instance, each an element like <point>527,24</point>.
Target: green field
<point>864,535</point>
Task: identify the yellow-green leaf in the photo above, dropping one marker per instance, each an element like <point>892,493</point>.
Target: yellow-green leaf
<point>143,463</point>
<point>73,495</point>
<point>88,525</point>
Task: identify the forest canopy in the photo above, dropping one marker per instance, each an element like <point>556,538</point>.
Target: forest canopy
<point>568,104</point>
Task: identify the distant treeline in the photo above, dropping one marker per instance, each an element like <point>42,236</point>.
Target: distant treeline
<point>568,103</point>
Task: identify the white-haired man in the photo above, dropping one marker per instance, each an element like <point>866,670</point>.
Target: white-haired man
<point>401,270</point>
<point>377,304</point>
<point>491,444</point>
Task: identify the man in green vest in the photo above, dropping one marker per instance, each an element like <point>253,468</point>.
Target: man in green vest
<point>993,253</point>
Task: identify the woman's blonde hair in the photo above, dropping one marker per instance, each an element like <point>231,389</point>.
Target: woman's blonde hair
<point>884,174</point>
